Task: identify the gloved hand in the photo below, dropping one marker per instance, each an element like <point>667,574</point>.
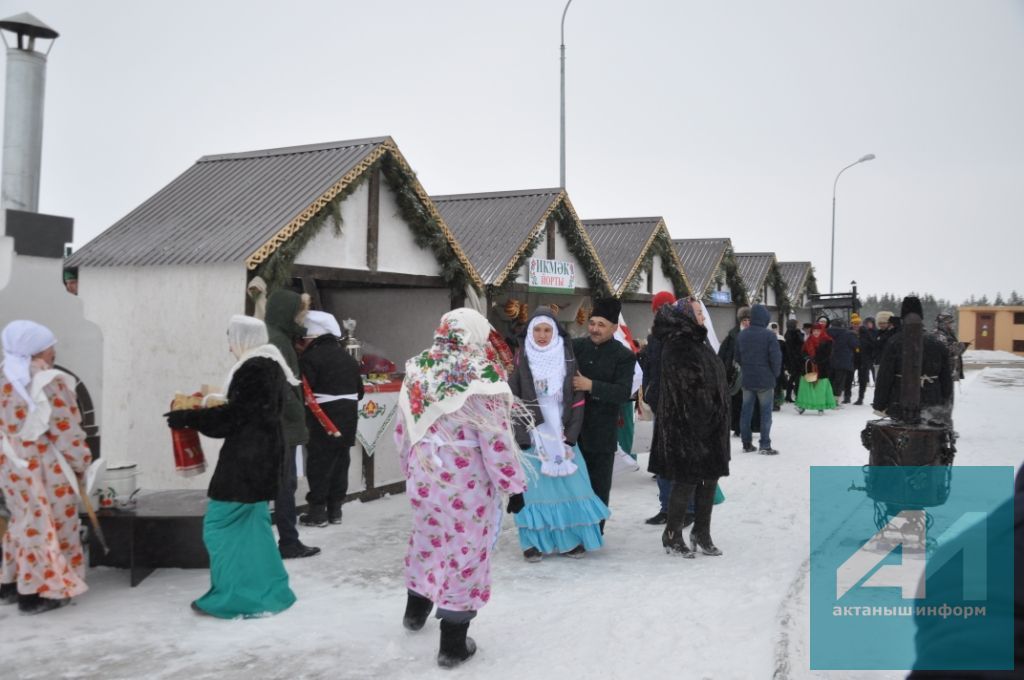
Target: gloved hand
<point>515,503</point>
<point>177,420</point>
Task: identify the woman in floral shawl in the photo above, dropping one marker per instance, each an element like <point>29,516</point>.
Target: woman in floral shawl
<point>458,454</point>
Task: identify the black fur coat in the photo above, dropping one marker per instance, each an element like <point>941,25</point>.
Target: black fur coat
<point>250,424</point>
<point>691,427</point>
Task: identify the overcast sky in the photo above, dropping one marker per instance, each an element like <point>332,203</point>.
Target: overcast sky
<point>729,118</point>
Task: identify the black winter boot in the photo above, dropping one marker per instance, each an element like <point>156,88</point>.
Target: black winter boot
<point>33,604</point>
<point>672,538</point>
<point>456,647</point>
<point>417,609</point>
<point>334,513</point>
<point>704,501</point>
<point>8,593</point>
<point>315,517</point>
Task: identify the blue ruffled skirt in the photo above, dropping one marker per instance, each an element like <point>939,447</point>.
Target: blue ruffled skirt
<point>561,512</point>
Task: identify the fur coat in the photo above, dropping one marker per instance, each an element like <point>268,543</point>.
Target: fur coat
<point>691,428</point>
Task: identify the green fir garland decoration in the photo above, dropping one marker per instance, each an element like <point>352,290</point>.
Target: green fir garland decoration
<point>779,286</point>
<point>662,246</point>
<point>811,283</point>
<point>729,274</point>
<point>526,253</point>
<point>578,247</point>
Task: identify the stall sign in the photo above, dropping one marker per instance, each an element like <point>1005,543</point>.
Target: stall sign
<point>721,296</point>
<point>552,276</point>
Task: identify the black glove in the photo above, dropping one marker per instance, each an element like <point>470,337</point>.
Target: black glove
<point>515,503</point>
<point>177,420</point>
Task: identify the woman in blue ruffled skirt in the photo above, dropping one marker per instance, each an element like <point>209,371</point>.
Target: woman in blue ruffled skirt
<point>562,513</point>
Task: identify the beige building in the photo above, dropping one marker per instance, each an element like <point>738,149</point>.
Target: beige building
<point>993,328</point>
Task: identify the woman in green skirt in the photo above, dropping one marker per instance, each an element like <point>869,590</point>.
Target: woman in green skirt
<point>247,576</point>
<point>816,395</point>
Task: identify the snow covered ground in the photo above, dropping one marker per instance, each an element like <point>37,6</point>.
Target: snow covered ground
<point>982,357</point>
<point>629,611</point>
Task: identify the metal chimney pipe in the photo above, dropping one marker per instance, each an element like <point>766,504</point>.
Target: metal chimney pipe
<point>23,113</point>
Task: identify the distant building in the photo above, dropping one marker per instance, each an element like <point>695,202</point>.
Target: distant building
<point>993,328</point>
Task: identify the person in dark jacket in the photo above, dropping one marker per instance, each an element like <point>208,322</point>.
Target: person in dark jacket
<point>337,387</point>
<point>247,577</point>
<point>651,385</point>
<point>727,353</point>
<point>691,438</point>
<point>867,341</point>
<point>888,324</point>
<point>605,374</point>
<point>760,360</point>
<point>285,311</point>
<point>936,378</point>
<point>793,357</point>
<point>562,513</point>
<point>844,345</point>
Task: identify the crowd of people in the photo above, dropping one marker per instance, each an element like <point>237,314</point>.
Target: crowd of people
<point>481,433</point>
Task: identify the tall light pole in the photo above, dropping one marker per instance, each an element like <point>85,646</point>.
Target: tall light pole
<point>832,264</point>
<point>561,173</point>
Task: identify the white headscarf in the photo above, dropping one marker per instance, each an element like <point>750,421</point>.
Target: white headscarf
<point>321,323</point>
<point>712,338</point>
<point>547,364</point>
<point>247,338</point>
<point>22,340</point>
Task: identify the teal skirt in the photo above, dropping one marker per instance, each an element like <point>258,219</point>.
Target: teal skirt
<point>815,396</point>
<point>561,512</point>
<point>247,576</point>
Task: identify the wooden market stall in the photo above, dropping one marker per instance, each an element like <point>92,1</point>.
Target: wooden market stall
<point>759,274</point>
<point>346,222</point>
<point>800,285</point>
<point>710,268</point>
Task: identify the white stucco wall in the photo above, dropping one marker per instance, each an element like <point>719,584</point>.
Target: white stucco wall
<point>561,253</point>
<point>349,251</point>
<point>639,318</point>
<point>165,331</point>
<point>397,250</point>
<point>6,256</point>
<point>661,282</point>
<point>35,291</point>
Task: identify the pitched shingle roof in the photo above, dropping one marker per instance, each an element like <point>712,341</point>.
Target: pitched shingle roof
<point>795,276</point>
<point>622,245</point>
<point>753,269</point>
<point>495,228</point>
<point>701,258</point>
<point>241,207</point>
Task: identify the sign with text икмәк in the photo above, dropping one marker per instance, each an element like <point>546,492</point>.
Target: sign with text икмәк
<point>552,276</point>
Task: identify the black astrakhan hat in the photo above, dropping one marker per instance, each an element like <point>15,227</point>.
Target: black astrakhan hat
<point>607,308</point>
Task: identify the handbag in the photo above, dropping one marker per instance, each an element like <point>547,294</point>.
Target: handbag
<point>810,372</point>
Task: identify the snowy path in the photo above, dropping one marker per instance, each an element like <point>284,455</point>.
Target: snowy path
<point>629,611</point>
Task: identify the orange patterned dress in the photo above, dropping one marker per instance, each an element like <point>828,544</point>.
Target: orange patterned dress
<point>42,550</point>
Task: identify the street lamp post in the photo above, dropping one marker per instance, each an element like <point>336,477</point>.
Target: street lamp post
<point>561,173</point>
<point>832,263</point>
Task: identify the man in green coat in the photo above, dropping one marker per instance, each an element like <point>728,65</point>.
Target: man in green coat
<point>285,310</point>
<point>606,375</point>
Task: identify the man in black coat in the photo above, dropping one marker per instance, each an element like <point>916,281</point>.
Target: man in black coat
<point>606,375</point>
<point>337,386</point>
<point>936,379</point>
<point>867,339</point>
<point>727,353</point>
<point>793,357</point>
<point>844,345</point>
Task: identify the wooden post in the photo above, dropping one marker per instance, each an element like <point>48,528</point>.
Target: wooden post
<point>373,221</point>
<point>551,238</point>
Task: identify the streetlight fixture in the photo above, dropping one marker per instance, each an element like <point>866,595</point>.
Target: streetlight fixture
<point>561,173</point>
<point>832,263</point>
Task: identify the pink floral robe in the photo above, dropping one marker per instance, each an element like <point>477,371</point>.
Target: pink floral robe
<point>41,549</point>
<point>456,509</point>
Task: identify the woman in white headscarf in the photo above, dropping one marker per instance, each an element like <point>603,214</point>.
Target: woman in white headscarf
<point>42,455</point>
<point>562,513</point>
<point>247,576</point>
<point>458,453</point>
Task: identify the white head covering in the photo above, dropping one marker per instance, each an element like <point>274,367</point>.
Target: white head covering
<point>321,323</point>
<point>247,338</point>
<point>712,338</point>
<point>22,340</point>
<point>547,364</point>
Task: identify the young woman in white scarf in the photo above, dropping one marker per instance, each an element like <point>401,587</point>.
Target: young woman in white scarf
<point>42,456</point>
<point>459,455</point>
<point>247,576</point>
<point>562,513</point>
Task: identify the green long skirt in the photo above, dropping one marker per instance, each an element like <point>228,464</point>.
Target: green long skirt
<point>815,396</point>
<point>247,576</point>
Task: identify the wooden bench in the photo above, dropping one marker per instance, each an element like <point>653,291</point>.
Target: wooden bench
<point>164,529</point>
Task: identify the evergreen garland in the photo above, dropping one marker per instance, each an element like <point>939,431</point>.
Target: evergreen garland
<point>732,278</point>
<point>526,253</point>
<point>578,247</point>
<point>276,269</point>
<point>811,283</point>
<point>662,246</point>
<point>779,286</point>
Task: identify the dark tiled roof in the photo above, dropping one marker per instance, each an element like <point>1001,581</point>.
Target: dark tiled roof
<point>753,269</point>
<point>622,244</point>
<point>701,258</point>
<point>225,207</point>
<point>493,227</point>
<point>795,276</point>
